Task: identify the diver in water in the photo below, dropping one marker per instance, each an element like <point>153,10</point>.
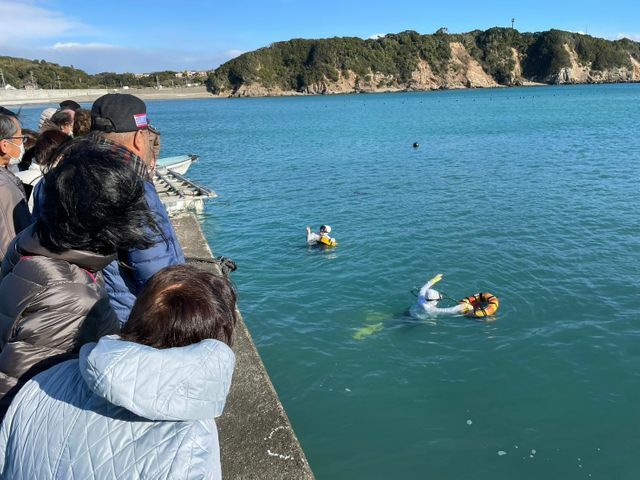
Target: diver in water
<point>321,238</point>
<point>427,304</point>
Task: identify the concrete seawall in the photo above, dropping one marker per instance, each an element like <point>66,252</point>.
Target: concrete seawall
<point>34,97</point>
<point>23,97</point>
<point>256,437</point>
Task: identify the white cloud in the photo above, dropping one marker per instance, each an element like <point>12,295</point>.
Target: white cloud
<point>376,36</point>
<point>83,46</point>
<point>24,22</point>
<point>33,24</point>
<point>631,36</point>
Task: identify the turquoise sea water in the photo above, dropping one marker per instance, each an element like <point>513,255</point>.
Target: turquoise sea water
<point>529,193</point>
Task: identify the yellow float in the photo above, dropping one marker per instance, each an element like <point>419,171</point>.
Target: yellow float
<point>481,305</point>
<point>328,241</point>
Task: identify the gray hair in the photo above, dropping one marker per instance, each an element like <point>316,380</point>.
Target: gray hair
<point>8,127</point>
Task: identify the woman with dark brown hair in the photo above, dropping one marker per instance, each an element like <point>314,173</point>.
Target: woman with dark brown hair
<point>141,404</point>
<point>81,122</point>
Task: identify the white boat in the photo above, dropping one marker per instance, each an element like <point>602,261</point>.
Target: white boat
<point>179,164</point>
<point>179,193</point>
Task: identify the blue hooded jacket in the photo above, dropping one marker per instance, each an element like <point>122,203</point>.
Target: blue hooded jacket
<point>123,410</point>
<point>125,277</point>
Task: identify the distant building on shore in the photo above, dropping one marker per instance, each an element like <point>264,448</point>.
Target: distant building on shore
<point>191,74</point>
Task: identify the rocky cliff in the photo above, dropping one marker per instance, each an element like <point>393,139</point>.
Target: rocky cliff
<point>412,62</point>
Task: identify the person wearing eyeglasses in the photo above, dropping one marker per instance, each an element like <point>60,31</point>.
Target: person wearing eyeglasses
<point>14,212</point>
<point>119,122</point>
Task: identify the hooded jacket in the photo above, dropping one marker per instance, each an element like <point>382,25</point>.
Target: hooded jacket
<point>50,305</point>
<point>125,278</point>
<point>123,410</point>
<point>14,212</point>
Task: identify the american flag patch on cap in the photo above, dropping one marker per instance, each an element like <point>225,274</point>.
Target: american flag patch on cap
<point>141,120</point>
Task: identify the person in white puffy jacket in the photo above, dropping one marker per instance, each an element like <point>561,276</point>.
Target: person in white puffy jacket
<point>138,405</point>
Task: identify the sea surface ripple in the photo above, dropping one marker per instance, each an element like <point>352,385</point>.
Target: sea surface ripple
<point>529,193</point>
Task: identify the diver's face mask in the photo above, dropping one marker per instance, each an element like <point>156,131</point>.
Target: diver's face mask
<point>434,297</point>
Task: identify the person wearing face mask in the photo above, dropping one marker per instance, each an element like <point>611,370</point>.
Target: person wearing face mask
<point>14,212</point>
<point>119,122</point>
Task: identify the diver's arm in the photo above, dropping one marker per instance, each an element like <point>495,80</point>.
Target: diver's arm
<point>423,291</point>
<point>312,237</point>
<point>459,309</point>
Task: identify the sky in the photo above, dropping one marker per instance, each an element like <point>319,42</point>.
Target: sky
<point>144,36</point>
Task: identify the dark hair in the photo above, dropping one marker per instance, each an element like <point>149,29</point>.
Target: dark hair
<point>32,137</point>
<point>182,305</point>
<point>6,111</point>
<point>81,122</point>
<point>69,105</point>
<point>27,158</point>
<point>94,201</point>
<point>45,151</point>
<point>62,118</point>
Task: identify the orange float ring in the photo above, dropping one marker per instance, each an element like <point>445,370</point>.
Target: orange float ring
<point>482,305</point>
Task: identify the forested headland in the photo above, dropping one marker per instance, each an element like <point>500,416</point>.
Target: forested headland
<point>411,61</point>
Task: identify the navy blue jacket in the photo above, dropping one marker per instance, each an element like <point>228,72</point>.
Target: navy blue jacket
<point>125,277</point>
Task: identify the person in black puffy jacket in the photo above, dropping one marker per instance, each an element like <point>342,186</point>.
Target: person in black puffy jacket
<point>52,295</point>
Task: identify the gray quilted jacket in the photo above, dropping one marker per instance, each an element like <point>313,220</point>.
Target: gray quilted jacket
<point>50,305</point>
<point>14,212</point>
<point>122,411</point>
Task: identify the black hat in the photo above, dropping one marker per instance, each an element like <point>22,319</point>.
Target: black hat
<point>119,112</point>
<point>6,111</point>
<point>70,105</point>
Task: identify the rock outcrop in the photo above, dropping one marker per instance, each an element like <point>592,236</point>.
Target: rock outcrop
<point>583,73</point>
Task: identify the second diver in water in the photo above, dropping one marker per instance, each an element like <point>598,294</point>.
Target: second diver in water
<point>427,304</point>
<point>321,238</point>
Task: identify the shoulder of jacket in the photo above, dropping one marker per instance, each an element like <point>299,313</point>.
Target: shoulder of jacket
<point>49,272</point>
<point>9,187</point>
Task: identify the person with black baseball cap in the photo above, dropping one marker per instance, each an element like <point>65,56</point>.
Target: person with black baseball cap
<point>120,122</point>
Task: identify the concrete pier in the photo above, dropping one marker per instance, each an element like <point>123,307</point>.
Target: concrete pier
<point>256,438</point>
